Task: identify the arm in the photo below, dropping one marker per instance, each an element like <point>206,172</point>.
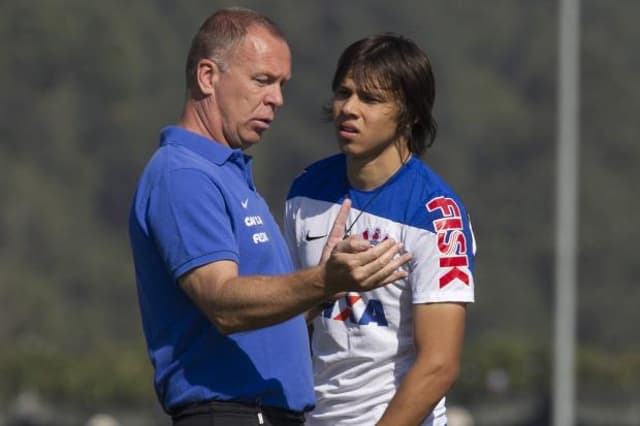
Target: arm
<point>238,303</point>
<point>438,334</point>
<point>334,237</point>
<point>235,303</point>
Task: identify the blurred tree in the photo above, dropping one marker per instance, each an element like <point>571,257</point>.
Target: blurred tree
<point>87,86</point>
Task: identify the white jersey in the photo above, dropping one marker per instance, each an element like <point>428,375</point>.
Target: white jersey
<point>363,343</point>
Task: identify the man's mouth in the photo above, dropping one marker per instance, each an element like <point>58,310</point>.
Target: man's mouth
<point>262,124</point>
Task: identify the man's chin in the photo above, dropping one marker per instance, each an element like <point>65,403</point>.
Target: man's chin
<point>249,142</point>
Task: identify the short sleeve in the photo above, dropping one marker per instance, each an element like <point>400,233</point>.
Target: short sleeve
<point>189,223</point>
<point>443,252</point>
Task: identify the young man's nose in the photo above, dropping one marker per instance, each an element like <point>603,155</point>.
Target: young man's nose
<point>349,104</point>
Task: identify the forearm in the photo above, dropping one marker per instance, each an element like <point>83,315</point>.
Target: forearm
<point>248,302</point>
<point>419,393</point>
<point>239,303</point>
<point>317,309</point>
<point>313,312</point>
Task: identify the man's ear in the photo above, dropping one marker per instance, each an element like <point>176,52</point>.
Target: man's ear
<point>207,73</point>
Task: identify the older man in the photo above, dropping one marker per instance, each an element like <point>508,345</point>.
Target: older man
<point>221,304</point>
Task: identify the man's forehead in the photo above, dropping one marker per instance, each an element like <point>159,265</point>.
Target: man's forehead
<point>261,40</point>
<point>260,47</point>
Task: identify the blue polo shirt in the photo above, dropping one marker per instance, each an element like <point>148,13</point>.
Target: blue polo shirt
<point>196,203</point>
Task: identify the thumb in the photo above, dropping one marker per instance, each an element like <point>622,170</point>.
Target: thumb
<point>337,230</point>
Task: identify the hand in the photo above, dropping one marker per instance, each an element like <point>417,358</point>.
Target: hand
<point>355,265</point>
<point>352,264</point>
<point>337,231</point>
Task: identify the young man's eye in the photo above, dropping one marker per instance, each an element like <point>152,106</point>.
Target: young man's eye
<point>341,93</point>
<point>370,99</point>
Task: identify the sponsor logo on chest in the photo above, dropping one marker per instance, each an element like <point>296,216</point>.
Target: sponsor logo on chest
<point>257,237</point>
<point>352,308</point>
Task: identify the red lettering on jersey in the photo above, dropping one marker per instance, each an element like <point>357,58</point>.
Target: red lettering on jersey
<point>352,299</point>
<point>452,243</point>
<point>456,243</point>
<point>454,261</point>
<point>451,275</point>
<point>342,316</point>
<point>448,206</point>
<point>445,224</point>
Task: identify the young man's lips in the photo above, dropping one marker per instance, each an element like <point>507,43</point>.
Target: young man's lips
<point>346,131</point>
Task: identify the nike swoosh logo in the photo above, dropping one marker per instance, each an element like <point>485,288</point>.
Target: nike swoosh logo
<point>313,237</point>
<point>245,203</point>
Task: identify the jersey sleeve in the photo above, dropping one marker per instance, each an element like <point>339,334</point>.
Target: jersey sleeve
<point>189,223</point>
<point>442,245</point>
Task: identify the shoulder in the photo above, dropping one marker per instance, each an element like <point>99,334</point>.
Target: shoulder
<point>320,179</point>
<point>171,163</point>
<point>175,175</point>
<point>431,197</point>
<point>426,180</point>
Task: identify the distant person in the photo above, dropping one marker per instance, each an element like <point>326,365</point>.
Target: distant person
<point>220,302</point>
<point>102,419</point>
<point>386,356</point>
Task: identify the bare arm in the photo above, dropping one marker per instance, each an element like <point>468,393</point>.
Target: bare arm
<point>238,303</point>
<point>438,333</point>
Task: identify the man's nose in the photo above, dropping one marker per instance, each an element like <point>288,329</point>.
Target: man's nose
<point>275,96</point>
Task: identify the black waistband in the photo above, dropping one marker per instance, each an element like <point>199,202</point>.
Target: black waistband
<point>216,406</point>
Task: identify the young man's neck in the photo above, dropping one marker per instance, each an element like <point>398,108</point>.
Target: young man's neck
<point>367,174</point>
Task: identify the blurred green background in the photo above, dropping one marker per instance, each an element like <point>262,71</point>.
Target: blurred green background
<point>86,86</point>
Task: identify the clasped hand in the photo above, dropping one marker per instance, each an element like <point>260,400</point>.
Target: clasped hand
<point>353,264</point>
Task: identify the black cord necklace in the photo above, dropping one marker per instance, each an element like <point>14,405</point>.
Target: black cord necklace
<point>347,230</point>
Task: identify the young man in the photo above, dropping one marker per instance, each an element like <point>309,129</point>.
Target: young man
<point>221,305</point>
<point>386,356</point>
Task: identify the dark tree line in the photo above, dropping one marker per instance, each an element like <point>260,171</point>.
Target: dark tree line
<point>86,87</point>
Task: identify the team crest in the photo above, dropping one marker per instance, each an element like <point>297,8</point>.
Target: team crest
<point>374,235</point>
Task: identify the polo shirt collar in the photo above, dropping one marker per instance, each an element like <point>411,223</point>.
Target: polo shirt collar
<point>212,150</point>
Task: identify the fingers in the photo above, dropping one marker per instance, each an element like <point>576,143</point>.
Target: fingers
<point>354,268</point>
<point>367,253</point>
<point>386,271</point>
<point>337,231</point>
<point>381,252</point>
<point>352,244</point>
<point>381,261</point>
<point>340,223</point>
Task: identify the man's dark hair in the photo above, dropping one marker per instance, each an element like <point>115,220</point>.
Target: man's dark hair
<point>219,34</point>
<point>392,62</point>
